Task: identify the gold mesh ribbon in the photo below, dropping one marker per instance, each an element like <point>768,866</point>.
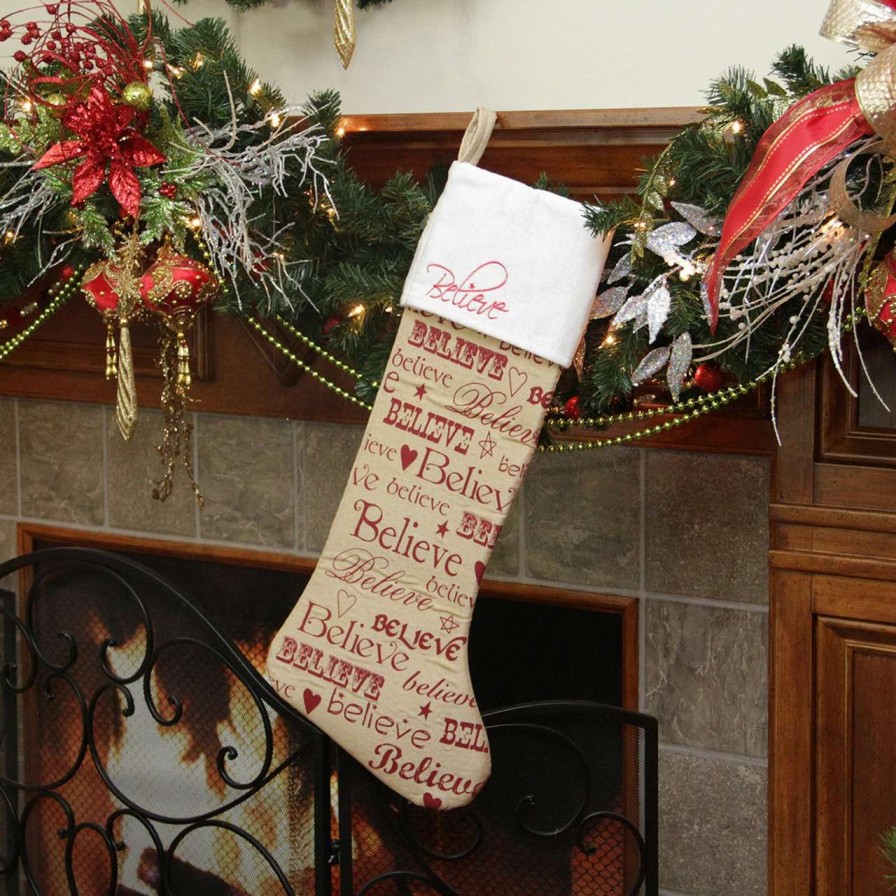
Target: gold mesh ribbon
<point>344,30</point>
<point>869,26</point>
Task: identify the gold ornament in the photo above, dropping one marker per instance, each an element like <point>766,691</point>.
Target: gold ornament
<point>113,288</point>
<point>174,288</point>
<point>138,95</point>
<point>344,30</point>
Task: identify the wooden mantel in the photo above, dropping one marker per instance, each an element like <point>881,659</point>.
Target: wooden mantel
<point>595,154</point>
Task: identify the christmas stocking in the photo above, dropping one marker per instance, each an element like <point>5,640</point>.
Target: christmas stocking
<point>375,651</point>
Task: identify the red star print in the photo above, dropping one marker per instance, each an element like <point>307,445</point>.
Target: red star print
<point>443,529</point>
<point>425,710</point>
<point>421,391</point>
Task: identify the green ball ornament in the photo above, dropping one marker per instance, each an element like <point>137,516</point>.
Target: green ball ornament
<point>138,95</point>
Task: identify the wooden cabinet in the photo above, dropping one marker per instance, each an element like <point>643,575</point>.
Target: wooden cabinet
<point>833,640</point>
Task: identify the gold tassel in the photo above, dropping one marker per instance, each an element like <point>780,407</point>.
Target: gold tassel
<point>183,360</point>
<point>344,30</point>
<point>126,398</point>
<point>111,353</point>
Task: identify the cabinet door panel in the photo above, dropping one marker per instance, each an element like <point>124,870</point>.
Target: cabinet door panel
<point>855,776</point>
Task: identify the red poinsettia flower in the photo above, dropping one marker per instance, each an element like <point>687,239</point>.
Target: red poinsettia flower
<point>105,138</point>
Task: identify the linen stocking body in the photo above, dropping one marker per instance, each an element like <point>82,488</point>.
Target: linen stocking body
<point>375,651</point>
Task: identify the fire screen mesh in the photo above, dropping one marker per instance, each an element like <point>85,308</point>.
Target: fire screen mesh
<point>155,759</point>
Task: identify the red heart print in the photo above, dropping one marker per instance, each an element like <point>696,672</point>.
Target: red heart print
<point>408,456</point>
<point>311,700</point>
<point>479,570</point>
<point>431,802</point>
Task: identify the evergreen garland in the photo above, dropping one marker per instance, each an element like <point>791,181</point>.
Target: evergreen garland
<point>701,168</point>
<point>354,245</point>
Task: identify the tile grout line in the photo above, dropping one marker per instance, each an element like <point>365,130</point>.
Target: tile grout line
<point>521,536</point>
<point>642,581</point>
<point>105,454</point>
<point>18,428</point>
<point>298,505</point>
<point>715,755</point>
<point>194,450</point>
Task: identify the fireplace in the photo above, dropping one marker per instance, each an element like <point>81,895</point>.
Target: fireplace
<point>199,760</point>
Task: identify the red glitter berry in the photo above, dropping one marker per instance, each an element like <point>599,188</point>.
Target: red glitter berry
<point>709,377</point>
<point>55,33</point>
<point>52,8</point>
<point>26,39</point>
<point>572,409</point>
<point>20,55</point>
<point>5,35</point>
<point>71,27</point>
<point>51,44</point>
<point>169,191</point>
<point>66,272</point>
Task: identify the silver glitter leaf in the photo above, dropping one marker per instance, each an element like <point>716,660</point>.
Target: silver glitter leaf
<point>623,269</point>
<point>679,362</point>
<point>665,240</point>
<point>658,305</point>
<point>704,298</point>
<point>608,302</point>
<point>698,217</point>
<point>650,364</point>
<point>634,307</point>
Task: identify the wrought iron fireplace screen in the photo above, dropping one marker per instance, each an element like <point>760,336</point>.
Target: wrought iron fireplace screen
<point>156,759</point>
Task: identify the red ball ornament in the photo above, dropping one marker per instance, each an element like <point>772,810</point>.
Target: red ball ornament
<point>709,377</point>
<point>67,271</point>
<point>175,287</point>
<point>174,284</point>
<point>572,408</point>
<point>98,289</point>
<point>880,298</point>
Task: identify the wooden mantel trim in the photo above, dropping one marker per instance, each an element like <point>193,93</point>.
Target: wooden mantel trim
<point>669,117</point>
<point>592,152</point>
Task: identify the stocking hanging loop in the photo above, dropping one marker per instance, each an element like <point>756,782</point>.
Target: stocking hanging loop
<point>477,135</point>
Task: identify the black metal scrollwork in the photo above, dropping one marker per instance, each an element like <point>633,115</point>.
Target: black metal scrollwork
<point>107,664</point>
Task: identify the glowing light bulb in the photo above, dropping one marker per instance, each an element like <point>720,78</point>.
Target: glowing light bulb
<point>357,311</point>
<point>255,87</point>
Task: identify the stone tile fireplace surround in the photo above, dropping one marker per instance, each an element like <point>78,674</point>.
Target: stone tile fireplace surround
<point>686,533</point>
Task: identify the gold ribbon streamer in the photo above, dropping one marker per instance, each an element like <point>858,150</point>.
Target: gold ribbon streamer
<point>126,396</point>
<point>842,204</point>
<point>344,30</point>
